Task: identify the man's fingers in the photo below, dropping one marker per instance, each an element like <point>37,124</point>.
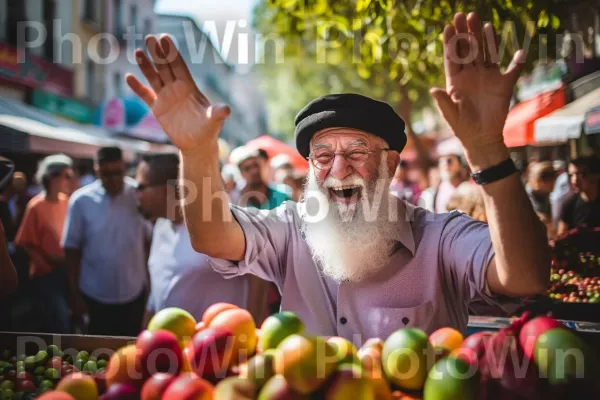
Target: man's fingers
<point>492,57</point>
<point>178,66</point>
<point>161,63</point>
<point>218,112</point>
<point>451,56</point>
<point>143,91</point>
<point>447,107</point>
<point>474,24</point>
<point>516,67</point>
<point>148,70</point>
<point>462,30</point>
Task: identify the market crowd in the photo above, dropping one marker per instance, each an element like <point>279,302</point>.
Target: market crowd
<point>126,245</point>
<point>116,250</point>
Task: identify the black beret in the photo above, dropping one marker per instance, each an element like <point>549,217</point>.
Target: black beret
<point>349,110</point>
<point>107,154</point>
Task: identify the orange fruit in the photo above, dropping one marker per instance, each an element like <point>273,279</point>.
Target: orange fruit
<point>125,367</point>
<point>241,324</point>
<point>176,320</point>
<point>212,311</point>
<point>446,338</point>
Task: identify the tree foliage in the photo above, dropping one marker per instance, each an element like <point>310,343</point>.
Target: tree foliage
<point>388,49</point>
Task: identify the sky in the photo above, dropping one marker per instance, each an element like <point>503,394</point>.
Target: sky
<point>221,12</point>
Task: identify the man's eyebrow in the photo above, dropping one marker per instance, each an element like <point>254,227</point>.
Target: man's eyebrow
<point>358,142</point>
<point>321,146</point>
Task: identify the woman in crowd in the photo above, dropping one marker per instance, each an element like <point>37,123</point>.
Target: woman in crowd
<point>40,234</point>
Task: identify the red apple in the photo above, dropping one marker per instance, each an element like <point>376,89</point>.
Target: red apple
<point>209,352</point>
<point>121,391</point>
<point>155,387</point>
<point>25,386</point>
<point>473,347</point>
<point>11,375</point>
<point>24,376</point>
<point>159,352</point>
<point>532,330</point>
<point>189,387</point>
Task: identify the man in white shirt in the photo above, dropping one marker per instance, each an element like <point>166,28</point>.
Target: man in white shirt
<point>179,276</point>
<point>106,240</point>
<point>452,174</point>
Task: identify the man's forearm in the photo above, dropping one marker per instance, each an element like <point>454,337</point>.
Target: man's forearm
<point>205,204</point>
<point>522,260</point>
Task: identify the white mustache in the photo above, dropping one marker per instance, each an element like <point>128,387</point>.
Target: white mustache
<point>332,182</point>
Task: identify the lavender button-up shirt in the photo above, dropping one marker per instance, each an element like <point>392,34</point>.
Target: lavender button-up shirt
<point>430,281</point>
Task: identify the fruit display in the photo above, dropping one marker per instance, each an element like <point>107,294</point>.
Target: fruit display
<point>575,272</point>
<point>227,357</point>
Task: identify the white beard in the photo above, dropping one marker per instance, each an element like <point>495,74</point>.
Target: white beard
<point>352,242</point>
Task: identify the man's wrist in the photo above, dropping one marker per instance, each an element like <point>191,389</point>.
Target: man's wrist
<point>203,149</point>
<point>481,157</point>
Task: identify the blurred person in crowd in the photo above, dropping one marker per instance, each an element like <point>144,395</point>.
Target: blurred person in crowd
<point>562,190</point>
<point>401,186</point>
<point>290,182</point>
<point>282,169</point>
<point>540,184</point>
<point>179,276</point>
<point>452,173</point>
<point>583,207</point>
<point>40,234</point>
<point>19,200</point>
<point>86,173</point>
<point>231,176</point>
<point>265,166</point>
<point>468,199</point>
<point>256,193</point>
<point>106,241</point>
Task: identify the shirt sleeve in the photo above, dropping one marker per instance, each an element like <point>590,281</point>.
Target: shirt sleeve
<point>74,225</point>
<point>27,234</point>
<point>266,233</point>
<point>466,251</point>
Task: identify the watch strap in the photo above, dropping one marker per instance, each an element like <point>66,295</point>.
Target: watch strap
<point>492,174</point>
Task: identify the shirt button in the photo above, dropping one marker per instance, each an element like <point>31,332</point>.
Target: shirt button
<point>343,320</point>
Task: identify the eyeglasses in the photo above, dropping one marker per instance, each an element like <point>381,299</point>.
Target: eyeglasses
<point>323,159</point>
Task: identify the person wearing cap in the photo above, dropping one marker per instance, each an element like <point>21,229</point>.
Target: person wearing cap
<point>256,192</point>
<point>106,240</point>
<point>40,233</point>
<point>452,175</point>
<point>352,260</point>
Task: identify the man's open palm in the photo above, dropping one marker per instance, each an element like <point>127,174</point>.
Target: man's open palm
<point>477,96</point>
<point>183,111</point>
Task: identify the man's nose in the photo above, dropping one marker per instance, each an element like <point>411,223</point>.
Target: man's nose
<point>340,168</point>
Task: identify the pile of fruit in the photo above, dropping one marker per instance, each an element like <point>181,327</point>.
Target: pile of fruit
<point>225,357</point>
<point>575,272</point>
<point>25,377</point>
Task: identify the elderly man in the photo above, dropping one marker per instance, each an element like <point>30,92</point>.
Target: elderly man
<point>350,260</point>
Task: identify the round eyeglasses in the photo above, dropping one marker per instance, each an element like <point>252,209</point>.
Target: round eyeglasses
<point>323,159</point>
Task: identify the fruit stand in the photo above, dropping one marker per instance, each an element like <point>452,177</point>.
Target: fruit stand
<point>574,291</point>
<point>225,356</point>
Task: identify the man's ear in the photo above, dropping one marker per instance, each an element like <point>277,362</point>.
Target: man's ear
<point>393,160</point>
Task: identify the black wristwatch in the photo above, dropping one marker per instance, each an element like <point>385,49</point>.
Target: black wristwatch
<point>492,174</point>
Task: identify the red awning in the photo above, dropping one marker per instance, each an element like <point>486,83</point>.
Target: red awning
<point>274,147</point>
<point>519,126</point>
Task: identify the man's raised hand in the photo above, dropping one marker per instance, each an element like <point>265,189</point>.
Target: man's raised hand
<point>185,114</point>
<point>477,96</point>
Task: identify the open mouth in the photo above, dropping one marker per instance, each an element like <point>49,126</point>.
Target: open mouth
<point>345,193</point>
